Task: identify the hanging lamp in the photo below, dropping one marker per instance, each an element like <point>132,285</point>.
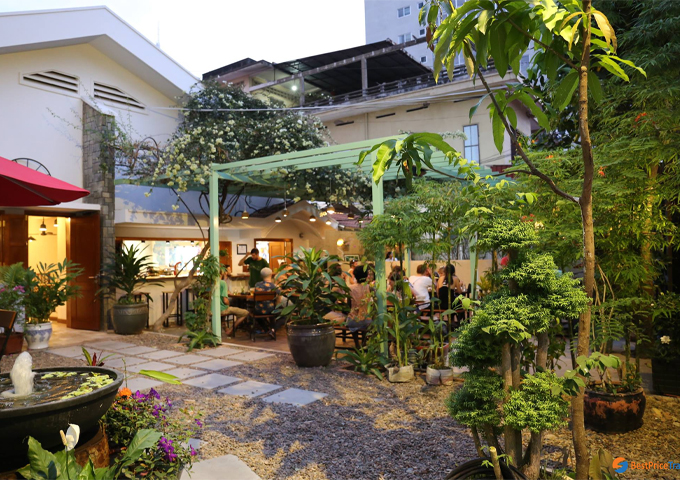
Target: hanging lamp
<point>278,220</point>
<point>43,227</point>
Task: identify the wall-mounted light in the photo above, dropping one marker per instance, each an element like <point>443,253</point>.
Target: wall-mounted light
<point>312,218</point>
<point>277,219</point>
<point>244,215</point>
<point>43,228</point>
<point>56,224</point>
<point>340,242</point>
<point>31,239</point>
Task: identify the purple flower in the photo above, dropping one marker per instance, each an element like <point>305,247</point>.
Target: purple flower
<point>193,451</point>
<point>167,400</point>
<point>153,393</point>
<point>171,456</point>
<point>199,423</point>
<point>139,396</point>
<point>168,448</point>
<point>156,410</point>
<point>19,289</point>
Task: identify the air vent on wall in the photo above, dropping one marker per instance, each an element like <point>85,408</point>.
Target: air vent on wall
<point>52,79</point>
<point>115,95</point>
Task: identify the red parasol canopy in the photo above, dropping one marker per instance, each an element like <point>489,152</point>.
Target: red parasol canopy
<point>24,187</point>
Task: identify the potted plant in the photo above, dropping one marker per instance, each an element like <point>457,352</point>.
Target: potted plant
<point>438,372</point>
<point>666,356</point>
<point>128,271</point>
<point>312,292</point>
<point>611,406</point>
<point>46,289</point>
<point>12,278</point>
<point>403,327</point>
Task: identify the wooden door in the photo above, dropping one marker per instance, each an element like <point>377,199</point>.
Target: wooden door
<point>14,239</point>
<point>225,259</point>
<point>83,248</point>
<point>278,249</point>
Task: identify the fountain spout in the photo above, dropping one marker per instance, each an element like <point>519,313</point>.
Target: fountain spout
<point>22,376</point>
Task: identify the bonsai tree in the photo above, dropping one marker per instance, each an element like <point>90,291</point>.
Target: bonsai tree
<point>128,271</point>
<point>311,289</point>
<point>48,287</point>
<point>532,299</point>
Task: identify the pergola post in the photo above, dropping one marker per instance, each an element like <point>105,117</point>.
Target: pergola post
<point>473,270</point>
<point>214,250</point>
<point>380,277</point>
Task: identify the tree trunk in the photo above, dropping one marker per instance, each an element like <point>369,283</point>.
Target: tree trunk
<point>478,444</point>
<point>647,260</point>
<point>533,464</point>
<point>508,431</point>
<point>586,205</point>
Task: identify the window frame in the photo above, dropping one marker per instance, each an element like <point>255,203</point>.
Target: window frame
<point>471,143</point>
<point>404,11</point>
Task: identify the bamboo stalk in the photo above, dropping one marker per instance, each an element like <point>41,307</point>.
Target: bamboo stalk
<point>496,463</point>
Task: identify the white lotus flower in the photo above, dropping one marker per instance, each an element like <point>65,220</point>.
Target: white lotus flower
<point>70,440</point>
<point>666,339</point>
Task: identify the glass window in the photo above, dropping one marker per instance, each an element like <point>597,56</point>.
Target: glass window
<point>404,38</point>
<point>472,142</point>
<point>423,59</point>
<point>421,5</point>
<point>403,12</point>
<point>422,31</point>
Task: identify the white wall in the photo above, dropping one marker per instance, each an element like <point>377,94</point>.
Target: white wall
<point>28,119</point>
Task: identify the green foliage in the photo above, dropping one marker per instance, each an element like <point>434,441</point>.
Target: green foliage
<point>602,466</point>
<point>94,360</point>
<point>508,234</point>
<point>601,363</point>
<point>476,403</point>
<point>200,339</point>
<point>476,347</point>
<point>312,290</point>
<point>538,405</point>
<point>49,287</point>
<point>667,325</point>
<point>127,272</point>
<point>402,324</point>
<point>367,360</point>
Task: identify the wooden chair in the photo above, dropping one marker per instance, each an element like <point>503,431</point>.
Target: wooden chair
<point>270,317</point>
<point>7,318</point>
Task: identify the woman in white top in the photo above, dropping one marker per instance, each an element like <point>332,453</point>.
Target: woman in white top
<point>421,285</point>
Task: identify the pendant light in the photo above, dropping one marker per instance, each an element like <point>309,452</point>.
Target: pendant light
<point>43,228</point>
<point>56,224</point>
<point>277,219</point>
<point>312,218</point>
<point>285,204</point>
<point>328,222</point>
<point>31,239</point>
<point>285,212</point>
<point>244,215</point>
<point>350,216</point>
<point>330,209</point>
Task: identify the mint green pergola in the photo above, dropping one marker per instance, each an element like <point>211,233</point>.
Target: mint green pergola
<point>257,172</point>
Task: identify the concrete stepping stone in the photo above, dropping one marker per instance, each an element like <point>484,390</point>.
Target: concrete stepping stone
<point>160,366</point>
<point>111,345</point>
<point>250,389</point>
<point>184,372</point>
<point>71,352</point>
<point>250,356</point>
<point>183,359</point>
<point>160,355</point>
<point>226,467</point>
<point>295,396</point>
<point>121,362</point>
<point>216,364</point>
<point>141,383</point>
<point>136,350</point>
<point>212,380</point>
<point>219,351</point>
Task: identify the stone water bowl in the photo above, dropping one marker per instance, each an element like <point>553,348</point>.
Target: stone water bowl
<point>43,417</point>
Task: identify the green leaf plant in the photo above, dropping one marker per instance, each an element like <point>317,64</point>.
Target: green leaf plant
<point>532,299</point>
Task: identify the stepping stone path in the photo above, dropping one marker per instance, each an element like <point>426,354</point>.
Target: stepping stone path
<point>198,370</point>
<point>226,467</point>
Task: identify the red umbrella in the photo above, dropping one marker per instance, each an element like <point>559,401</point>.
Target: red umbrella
<point>24,187</point>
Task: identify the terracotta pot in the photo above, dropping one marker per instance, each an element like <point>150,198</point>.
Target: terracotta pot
<point>400,374</point>
<point>435,376</point>
<point>666,376</point>
<point>614,412</point>
<point>38,335</point>
<point>95,449</point>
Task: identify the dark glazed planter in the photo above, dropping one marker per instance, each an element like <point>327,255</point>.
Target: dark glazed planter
<point>311,345</point>
<point>130,319</point>
<point>43,422</point>
<point>614,412</point>
<point>666,376</point>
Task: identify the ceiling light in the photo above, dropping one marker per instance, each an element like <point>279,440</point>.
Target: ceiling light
<point>330,209</point>
<point>350,216</point>
<point>167,242</point>
<point>340,242</point>
<point>244,215</point>
<point>312,218</point>
<point>294,88</point>
<point>43,228</point>
<point>285,212</point>
<point>31,239</point>
<point>55,223</point>
<point>328,222</point>
<point>277,219</point>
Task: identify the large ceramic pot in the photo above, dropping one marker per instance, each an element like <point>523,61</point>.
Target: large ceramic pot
<point>130,319</point>
<point>614,412</point>
<point>666,376</point>
<point>38,335</point>
<point>311,345</point>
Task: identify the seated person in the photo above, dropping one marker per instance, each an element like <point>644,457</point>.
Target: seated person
<point>421,284</point>
<point>443,290</point>
<point>398,284</point>
<point>265,285</point>
<point>361,295</point>
<point>225,309</point>
<point>348,276</point>
<point>334,316</point>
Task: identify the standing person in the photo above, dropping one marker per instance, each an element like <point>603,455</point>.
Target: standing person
<point>348,276</point>
<point>266,307</point>
<point>421,284</point>
<point>225,309</point>
<point>255,265</point>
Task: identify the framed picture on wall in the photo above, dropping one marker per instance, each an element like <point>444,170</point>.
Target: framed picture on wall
<point>349,258</point>
<point>241,249</point>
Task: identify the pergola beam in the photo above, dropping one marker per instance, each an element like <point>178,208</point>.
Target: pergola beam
<point>340,63</point>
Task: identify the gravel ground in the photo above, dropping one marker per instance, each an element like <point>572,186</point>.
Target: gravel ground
<point>365,428</point>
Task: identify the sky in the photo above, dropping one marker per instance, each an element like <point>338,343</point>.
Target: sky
<point>203,35</point>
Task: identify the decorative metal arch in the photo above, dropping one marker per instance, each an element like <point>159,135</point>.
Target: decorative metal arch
<point>32,164</point>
